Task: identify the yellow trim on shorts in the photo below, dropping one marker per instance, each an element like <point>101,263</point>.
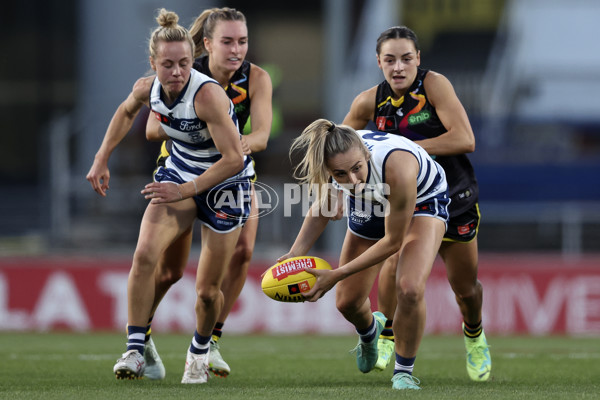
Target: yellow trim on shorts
<point>445,239</point>
<point>163,149</point>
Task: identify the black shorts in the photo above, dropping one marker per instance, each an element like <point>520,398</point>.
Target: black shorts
<point>463,227</point>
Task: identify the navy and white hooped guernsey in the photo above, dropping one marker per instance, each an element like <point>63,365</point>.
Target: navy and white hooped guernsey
<point>193,148</point>
<point>432,189</point>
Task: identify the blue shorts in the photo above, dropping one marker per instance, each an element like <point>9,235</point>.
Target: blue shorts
<point>370,224</point>
<point>224,207</point>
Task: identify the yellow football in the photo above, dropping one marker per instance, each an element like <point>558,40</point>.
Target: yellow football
<point>287,280</point>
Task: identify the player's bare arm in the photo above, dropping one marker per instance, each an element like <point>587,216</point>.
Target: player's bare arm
<point>261,109</point>
<point>212,106</point>
<point>120,124</point>
<point>401,172</point>
<point>459,138</point>
<point>361,110</point>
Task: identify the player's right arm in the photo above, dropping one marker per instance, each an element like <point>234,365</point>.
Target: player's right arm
<point>120,124</point>
<point>401,170</point>
<point>362,109</point>
<point>261,111</point>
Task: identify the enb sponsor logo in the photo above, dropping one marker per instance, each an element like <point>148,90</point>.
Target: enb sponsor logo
<point>419,118</point>
<point>230,199</point>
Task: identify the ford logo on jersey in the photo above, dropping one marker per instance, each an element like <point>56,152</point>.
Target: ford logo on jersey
<point>190,125</point>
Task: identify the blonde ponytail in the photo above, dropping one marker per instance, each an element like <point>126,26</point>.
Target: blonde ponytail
<point>320,141</point>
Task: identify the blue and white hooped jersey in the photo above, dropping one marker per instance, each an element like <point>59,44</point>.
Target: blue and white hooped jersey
<point>431,179</point>
<point>367,209</point>
<point>193,149</point>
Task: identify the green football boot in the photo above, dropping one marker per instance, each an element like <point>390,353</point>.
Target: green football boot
<point>403,381</point>
<point>479,362</point>
<point>386,353</point>
<point>366,353</point>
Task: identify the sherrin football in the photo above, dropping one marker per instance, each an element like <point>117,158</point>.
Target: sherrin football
<point>287,280</point>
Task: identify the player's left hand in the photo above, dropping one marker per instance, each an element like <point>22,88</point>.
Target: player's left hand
<point>287,255</point>
<point>326,279</point>
<point>162,192</point>
<point>280,259</point>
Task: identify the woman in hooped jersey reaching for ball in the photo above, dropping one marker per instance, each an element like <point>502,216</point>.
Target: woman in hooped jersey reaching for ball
<point>221,38</point>
<point>397,198</point>
<point>421,105</point>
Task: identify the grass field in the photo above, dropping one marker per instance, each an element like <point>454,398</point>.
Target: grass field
<point>79,366</point>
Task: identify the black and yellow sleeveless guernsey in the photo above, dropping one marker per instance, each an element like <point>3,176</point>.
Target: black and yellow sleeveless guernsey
<point>413,117</point>
<point>237,91</point>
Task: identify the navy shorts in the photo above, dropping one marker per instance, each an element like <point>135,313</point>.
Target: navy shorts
<point>370,224</point>
<point>222,208</point>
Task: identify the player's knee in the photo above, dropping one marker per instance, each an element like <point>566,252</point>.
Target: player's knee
<point>409,293</point>
<point>169,277</point>
<point>468,291</point>
<point>144,262</point>
<point>207,296</point>
<point>348,305</point>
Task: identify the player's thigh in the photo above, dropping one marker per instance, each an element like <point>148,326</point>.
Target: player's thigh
<point>162,224</point>
<point>418,253</point>
<point>356,287</point>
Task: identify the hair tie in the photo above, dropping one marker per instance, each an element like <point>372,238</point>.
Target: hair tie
<point>331,128</point>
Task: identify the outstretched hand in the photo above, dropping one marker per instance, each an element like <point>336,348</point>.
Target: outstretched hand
<point>326,279</point>
<point>99,176</point>
<point>162,192</point>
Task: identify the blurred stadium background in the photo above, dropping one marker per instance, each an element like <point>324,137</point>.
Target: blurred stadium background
<point>527,71</point>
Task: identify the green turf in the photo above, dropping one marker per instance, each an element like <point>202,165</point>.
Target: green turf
<point>79,366</point>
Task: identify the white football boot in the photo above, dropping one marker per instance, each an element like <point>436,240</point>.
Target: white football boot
<point>196,368</point>
<point>130,366</point>
<point>154,365</point>
<point>217,365</point>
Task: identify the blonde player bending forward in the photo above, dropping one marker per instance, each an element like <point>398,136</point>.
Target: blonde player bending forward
<point>397,203</point>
